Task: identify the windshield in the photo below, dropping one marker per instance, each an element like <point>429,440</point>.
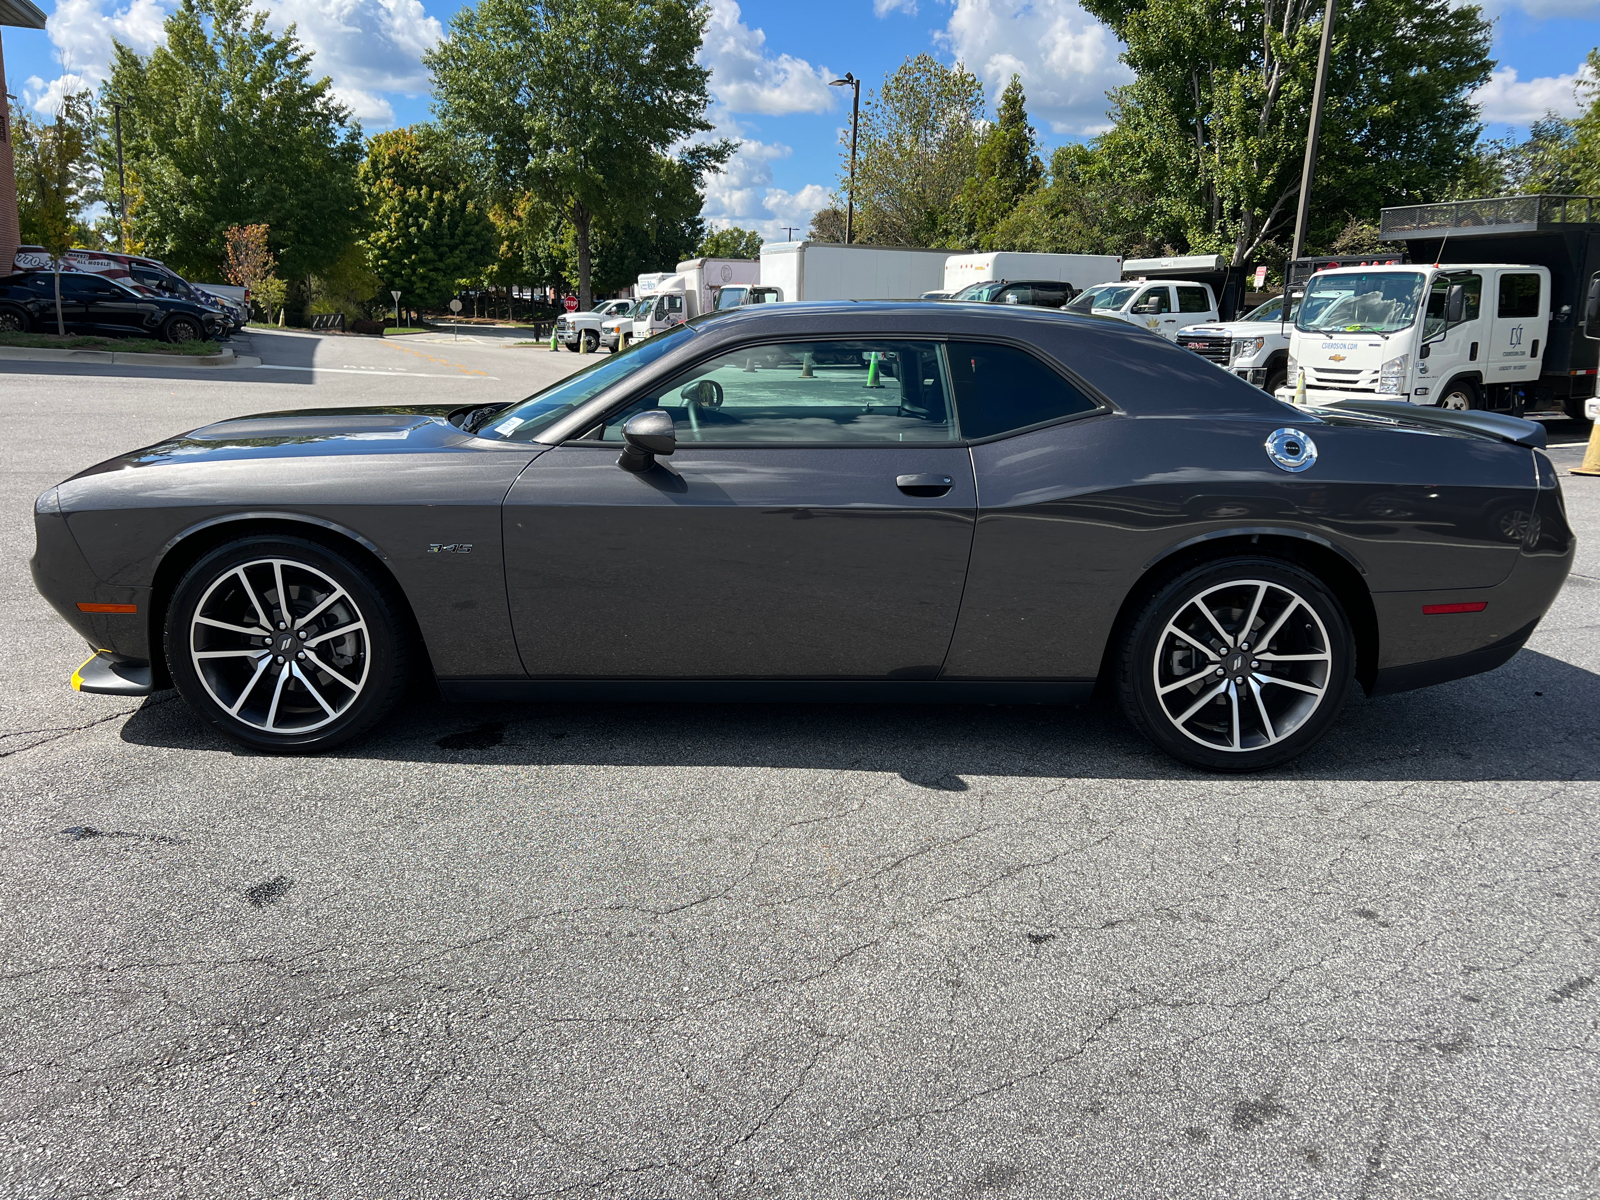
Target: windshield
<point>731,297</point>
<point>979,291</point>
<point>1350,302</point>
<point>643,307</point>
<point>1108,297</point>
<point>1272,310</point>
<point>521,422</point>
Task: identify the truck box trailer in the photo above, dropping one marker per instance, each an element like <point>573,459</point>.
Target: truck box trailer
<point>693,290</point>
<point>831,271</point>
<point>1560,234</point>
<point>1079,270</point>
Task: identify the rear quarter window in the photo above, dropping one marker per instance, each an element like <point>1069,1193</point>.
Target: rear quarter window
<point>1519,296</point>
<point>1000,389</point>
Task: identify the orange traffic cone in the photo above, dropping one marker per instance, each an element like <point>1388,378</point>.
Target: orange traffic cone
<point>1591,456</point>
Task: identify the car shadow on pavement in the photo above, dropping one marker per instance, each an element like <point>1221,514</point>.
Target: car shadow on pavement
<point>1533,719</point>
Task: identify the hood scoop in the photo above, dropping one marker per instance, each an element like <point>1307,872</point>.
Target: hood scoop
<point>373,427</point>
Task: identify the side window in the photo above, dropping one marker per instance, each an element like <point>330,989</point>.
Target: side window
<point>845,392</point>
<point>1519,297</point>
<point>1193,299</point>
<point>1049,295</point>
<point>1000,388</point>
<point>1156,300</point>
<point>1473,284</point>
<point>1017,293</point>
<point>73,284</point>
<point>1438,297</point>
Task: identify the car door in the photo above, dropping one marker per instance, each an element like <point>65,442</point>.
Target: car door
<point>1153,308</point>
<point>1521,322</point>
<point>76,292</point>
<point>1454,348</point>
<point>814,523</point>
<point>1195,306</point>
<point>112,309</point>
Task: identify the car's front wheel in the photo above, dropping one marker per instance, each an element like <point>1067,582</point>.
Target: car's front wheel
<point>1237,665</point>
<point>285,644</point>
<point>182,329</point>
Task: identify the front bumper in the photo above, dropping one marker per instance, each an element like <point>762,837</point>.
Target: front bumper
<point>1319,397</point>
<point>105,674</point>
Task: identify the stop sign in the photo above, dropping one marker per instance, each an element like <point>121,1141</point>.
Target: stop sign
<point>572,303</point>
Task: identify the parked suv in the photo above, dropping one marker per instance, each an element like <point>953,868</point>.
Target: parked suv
<point>102,305</point>
<point>146,275</point>
<point>1038,293</point>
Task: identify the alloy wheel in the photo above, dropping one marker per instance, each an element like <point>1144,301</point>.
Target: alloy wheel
<point>1457,400</point>
<point>1242,665</point>
<point>280,646</point>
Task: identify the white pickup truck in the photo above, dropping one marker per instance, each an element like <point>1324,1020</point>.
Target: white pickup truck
<point>1255,347</point>
<point>570,327</point>
<point>1164,306</point>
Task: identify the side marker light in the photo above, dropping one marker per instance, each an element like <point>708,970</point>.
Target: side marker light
<point>1439,610</point>
<point>108,608</point>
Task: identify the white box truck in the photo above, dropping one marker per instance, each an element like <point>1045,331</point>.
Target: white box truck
<point>1006,266</point>
<point>831,271</point>
<point>693,290</point>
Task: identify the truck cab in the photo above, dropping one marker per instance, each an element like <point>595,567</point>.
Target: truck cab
<point>1464,336</point>
<point>1163,306</point>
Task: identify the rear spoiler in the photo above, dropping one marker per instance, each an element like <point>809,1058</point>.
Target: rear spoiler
<point>1488,424</point>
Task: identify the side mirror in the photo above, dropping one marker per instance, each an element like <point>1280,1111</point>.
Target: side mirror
<point>1591,309</point>
<point>647,434</point>
<point>1455,304</point>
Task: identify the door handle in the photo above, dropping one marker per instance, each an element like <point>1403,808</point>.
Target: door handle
<point>932,486</point>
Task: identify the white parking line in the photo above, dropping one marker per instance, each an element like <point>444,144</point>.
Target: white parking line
<point>372,371</point>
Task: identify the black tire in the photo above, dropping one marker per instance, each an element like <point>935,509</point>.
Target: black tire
<point>14,320</point>
<point>1573,407</point>
<point>363,635</point>
<point>182,329</point>
<point>1459,394</point>
<point>573,346</point>
<point>1284,724</point>
<point>591,341</point>
<point>1277,377</point>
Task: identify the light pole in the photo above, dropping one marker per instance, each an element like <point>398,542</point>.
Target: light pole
<point>1318,93</point>
<point>122,183</point>
<point>851,81</point>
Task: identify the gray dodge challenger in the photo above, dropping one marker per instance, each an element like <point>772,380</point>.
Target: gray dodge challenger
<point>866,502</point>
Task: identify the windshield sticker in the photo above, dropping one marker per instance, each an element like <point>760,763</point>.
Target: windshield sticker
<point>507,428</point>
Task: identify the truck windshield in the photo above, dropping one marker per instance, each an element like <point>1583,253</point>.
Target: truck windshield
<point>731,297</point>
<point>1108,297</point>
<point>1360,302</point>
<point>1272,311</point>
<point>979,291</point>
<point>523,422</point>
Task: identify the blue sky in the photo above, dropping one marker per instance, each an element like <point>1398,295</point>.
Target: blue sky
<point>770,65</point>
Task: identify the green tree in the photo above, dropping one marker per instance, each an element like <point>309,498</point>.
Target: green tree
<point>224,125</point>
<point>1584,155</point>
<point>917,146</point>
<point>732,242</point>
<point>827,225</point>
<point>429,232</point>
<point>575,100</point>
<point>56,181</point>
<point>1213,127</point>
<point>1008,170</point>
<point>1085,207</point>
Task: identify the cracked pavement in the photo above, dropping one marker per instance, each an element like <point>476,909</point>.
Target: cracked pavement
<point>698,951</point>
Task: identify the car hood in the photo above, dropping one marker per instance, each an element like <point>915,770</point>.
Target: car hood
<point>1233,329</point>
<point>302,434</point>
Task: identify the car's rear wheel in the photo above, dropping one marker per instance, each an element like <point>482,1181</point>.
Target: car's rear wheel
<point>285,644</point>
<point>182,329</point>
<point>1237,665</point>
<point>13,320</point>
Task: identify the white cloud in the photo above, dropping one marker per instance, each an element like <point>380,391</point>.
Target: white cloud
<point>746,79</point>
<point>367,47</point>
<point>82,32</point>
<point>1067,60</point>
<point>1508,100</point>
<point>882,8</point>
<point>744,194</point>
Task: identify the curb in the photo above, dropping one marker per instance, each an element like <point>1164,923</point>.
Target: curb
<point>117,357</point>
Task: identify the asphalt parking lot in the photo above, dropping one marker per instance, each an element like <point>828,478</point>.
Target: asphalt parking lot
<point>698,951</point>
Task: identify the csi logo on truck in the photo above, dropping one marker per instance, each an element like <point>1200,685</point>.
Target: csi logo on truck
<point>1516,335</point>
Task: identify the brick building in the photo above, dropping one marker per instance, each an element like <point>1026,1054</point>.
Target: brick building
<point>20,13</point>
